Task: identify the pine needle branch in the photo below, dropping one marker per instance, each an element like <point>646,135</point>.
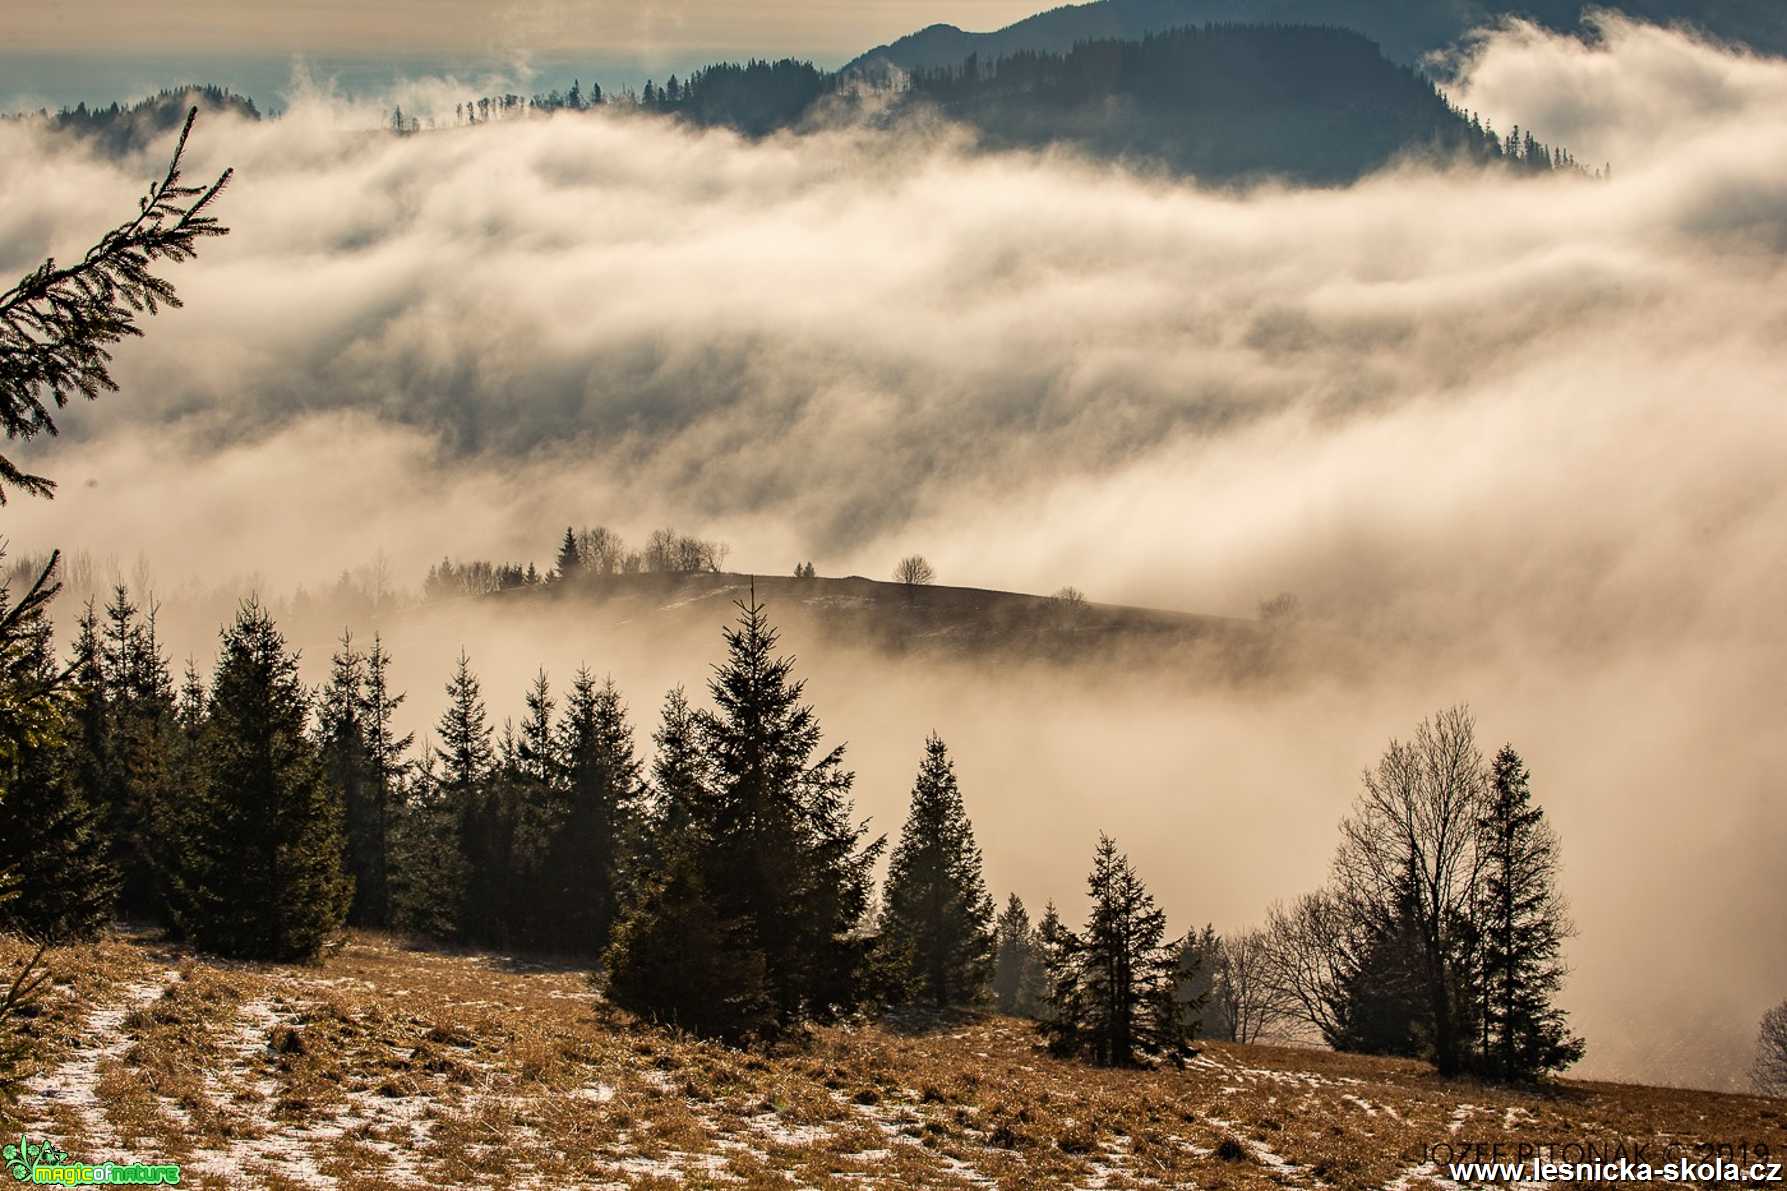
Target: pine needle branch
<point>57,325</point>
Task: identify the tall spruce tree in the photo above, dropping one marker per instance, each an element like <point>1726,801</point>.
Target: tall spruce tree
<point>541,809</point>
<point>772,863</point>
<point>464,791</point>
<point>590,850</point>
<point>936,918</point>
<point>1523,923</point>
<point>341,736</point>
<point>261,874</point>
<point>427,869</point>
<point>126,742</point>
<point>54,851</point>
<point>1114,983</point>
<point>679,773</point>
<point>386,765</point>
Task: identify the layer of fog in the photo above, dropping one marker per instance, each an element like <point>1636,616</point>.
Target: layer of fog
<point>1523,437</point>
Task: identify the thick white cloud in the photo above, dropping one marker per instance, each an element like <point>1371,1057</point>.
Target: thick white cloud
<point>1523,439</point>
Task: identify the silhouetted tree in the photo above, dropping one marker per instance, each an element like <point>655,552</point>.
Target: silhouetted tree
<point>936,916</point>
<point>1245,1006</point>
<point>570,561</point>
<point>1199,962</point>
<point>1409,858</point>
<point>914,571</point>
<point>261,874</point>
<point>341,737</point>
<point>1523,923</point>
<point>1113,986</point>
<point>385,754</point>
<point>590,850</point>
<point>680,774</point>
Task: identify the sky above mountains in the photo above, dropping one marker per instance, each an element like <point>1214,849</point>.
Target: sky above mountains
<point>476,27</point>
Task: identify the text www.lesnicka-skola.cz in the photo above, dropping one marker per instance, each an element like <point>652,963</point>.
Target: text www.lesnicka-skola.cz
<point>1711,1170</point>
<point>1605,1161</point>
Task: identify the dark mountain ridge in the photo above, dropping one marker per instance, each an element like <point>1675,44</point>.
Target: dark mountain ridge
<point>1408,30</point>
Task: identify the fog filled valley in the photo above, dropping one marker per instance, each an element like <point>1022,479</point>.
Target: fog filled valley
<point>1510,439</point>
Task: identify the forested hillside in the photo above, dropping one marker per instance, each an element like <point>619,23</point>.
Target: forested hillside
<point>123,127</point>
<point>1222,102</point>
<point>1407,29</point>
<point>1314,104</point>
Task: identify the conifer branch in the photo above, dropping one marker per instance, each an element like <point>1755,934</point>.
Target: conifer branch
<point>57,325</point>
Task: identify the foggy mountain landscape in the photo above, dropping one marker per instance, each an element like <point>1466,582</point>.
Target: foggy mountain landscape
<point>1221,423</point>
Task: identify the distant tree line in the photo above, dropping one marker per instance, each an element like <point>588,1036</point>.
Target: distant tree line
<point>121,128</point>
<point>1309,102</point>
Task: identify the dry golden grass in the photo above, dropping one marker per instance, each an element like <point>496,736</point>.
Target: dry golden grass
<point>388,1065</point>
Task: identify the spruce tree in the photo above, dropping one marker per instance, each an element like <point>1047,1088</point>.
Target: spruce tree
<point>129,763</point>
<point>1384,1007</point>
<point>1115,983</point>
<point>189,711</point>
<point>589,853</point>
<point>385,767</point>
<point>62,874</point>
<point>937,918</point>
<point>261,876</point>
<point>1523,924</point>
<point>783,870</point>
<point>341,736</point>
<point>427,871</point>
<point>1017,961</point>
<point>464,793</point>
<point>1063,996</point>
<point>537,776</point>
<point>570,560</point>
<point>677,958</point>
<point>679,771</point>
<point>497,901</point>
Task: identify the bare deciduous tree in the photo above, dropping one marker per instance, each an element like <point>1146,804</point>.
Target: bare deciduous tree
<point>1251,1002</point>
<point>1411,847</point>
<point>601,551</point>
<point>1307,958</point>
<point>914,571</point>
<point>1770,1070</point>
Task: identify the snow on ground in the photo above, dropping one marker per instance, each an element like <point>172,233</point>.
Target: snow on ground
<point>72,1088</point>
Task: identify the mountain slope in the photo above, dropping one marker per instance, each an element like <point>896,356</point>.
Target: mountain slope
<point>1307,103</point>
<point>1406,29</point>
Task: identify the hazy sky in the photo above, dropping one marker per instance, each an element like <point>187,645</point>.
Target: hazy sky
<point>827,28</point>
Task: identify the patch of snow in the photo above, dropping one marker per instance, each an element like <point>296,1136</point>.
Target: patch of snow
<point>74,1085</point>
